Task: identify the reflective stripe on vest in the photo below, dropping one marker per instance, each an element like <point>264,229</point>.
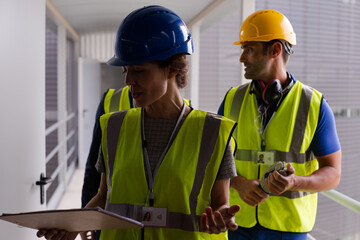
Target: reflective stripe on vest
<point>200,152</point>
<point>117,100</point>
<point>289,135</point>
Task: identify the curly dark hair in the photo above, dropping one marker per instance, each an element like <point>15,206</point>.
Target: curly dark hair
<point>178,64</point>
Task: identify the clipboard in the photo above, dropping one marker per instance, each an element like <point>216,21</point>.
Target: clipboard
<point>72,220</point>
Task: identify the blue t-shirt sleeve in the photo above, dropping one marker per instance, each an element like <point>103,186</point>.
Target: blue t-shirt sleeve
<point>221,108</point>
<point>325,140</point>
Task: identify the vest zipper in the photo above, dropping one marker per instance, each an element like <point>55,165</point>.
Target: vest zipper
<point>263,148</point>
<point>263,133</point>
<point>151,198</point>
<point>256,208</point>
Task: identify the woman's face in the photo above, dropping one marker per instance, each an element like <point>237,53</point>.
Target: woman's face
<point>147,82</point>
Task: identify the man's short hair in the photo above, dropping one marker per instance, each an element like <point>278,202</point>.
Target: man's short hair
<point>287,48</point>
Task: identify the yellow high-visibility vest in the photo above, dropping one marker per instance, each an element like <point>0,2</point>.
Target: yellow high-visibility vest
<point>119,100</point>
<point>288,135</point>
<point>183,182</point>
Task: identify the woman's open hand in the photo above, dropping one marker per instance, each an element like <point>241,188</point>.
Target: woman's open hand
<point>219,221</point>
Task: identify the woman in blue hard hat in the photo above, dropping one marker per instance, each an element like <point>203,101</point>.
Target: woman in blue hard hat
<point>164,161</point>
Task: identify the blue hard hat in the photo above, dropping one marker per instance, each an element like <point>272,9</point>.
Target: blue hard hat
<point>150,33</point>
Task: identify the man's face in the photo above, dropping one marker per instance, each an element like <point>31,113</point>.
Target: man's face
<point>255,62</point>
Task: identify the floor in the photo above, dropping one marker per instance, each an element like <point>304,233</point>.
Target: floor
<point>72,196</point>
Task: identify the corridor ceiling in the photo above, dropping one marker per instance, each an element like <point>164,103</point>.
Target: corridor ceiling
<point>91,15</point>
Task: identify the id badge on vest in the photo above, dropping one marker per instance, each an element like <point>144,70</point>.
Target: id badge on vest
<point>264,158</point>
<point>154,217</point>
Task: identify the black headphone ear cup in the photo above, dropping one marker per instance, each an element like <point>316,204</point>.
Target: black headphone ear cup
<point>273,92</point>
<point>257,88</point>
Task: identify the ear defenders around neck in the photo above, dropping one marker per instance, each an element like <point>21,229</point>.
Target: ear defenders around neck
<point>270,93</point>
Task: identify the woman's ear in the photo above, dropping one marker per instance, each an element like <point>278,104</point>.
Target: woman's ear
<point>171,72</point>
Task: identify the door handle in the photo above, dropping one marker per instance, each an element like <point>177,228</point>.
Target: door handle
<point>42,182</point>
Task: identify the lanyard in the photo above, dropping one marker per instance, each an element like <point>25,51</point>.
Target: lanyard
<point>263,115</point>
<point>151,177</point>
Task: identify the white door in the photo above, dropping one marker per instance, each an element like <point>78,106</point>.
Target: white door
<point>22,106</point>
<point>89,98</point>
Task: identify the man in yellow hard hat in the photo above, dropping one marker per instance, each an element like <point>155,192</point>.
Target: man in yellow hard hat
<point>283,120</point>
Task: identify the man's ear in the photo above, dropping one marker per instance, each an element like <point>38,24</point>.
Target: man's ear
<point>276,49</point>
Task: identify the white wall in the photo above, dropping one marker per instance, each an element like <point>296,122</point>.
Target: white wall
<point>22,98</point>
<point>89,98</point>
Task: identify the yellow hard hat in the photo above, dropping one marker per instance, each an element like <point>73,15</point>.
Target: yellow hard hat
<point>266,25</point>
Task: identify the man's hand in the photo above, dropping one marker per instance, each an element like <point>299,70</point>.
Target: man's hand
<point>249,190</point>
<point>278,184</point>
<point>219,221</point>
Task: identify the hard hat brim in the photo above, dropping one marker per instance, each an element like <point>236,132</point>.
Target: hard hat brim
<point>237,43</point>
